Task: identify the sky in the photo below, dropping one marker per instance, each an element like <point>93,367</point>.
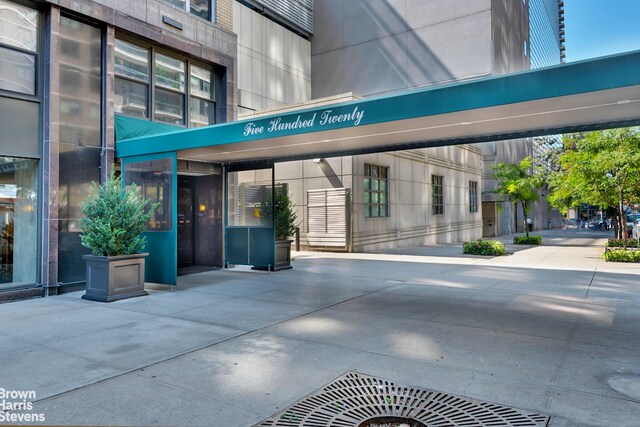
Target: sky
<point>601,27</point>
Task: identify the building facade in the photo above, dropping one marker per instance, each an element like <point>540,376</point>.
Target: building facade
<point>66,67</point>
<point>362,49</point>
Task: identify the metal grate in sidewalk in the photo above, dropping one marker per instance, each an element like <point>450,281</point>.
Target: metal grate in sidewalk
<point>354,398</point>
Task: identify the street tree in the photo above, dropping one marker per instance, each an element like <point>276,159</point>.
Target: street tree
<point>600,168</point>
<point>519,183</point>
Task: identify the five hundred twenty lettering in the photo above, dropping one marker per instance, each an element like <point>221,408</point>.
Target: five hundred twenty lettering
<point>18,400</point>
<point>326,117</point>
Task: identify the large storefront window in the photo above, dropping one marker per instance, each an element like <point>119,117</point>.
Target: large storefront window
<point>18,220</point>
<point>19,144</point>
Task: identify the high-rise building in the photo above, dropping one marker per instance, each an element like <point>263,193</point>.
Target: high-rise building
<point>546,41</point>
<point>546,21</point>
<point>363,49</point>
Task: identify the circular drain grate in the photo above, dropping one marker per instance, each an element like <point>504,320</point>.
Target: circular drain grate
<point>355,398</point>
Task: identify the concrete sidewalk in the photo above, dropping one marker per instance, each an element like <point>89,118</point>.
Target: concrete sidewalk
<point>551,329</point>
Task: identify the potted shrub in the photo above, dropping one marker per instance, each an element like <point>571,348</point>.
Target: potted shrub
<point>285,224</point>
<point>111,228</point>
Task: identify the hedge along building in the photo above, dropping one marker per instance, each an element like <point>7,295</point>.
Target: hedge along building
<point>594,94</point>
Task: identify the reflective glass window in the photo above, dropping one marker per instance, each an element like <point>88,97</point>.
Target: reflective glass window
<point>201,8</point>
<point>153,180</point>
<point>169,107</point>
<point>201,82</point>
<point>201,112</point>
<point>18,220</point>
<point>80,136</point>
<point>182,4</point>
<point>168,77</point>
<point>131,60</point>
<point>18,26</point>
<point>170,72</point>
<point>17,71</point>
<point>131,98</point>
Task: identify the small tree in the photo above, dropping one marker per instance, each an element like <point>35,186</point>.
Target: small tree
<point>286,218</point>
<point>518,183</point>
<point>599,168</point>
<point>114,219</point>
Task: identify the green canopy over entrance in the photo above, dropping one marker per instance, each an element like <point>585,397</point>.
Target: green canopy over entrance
<point>592,94</point>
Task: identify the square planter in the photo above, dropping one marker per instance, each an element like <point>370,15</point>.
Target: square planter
<point>112,278</point>
<point>283,255</point>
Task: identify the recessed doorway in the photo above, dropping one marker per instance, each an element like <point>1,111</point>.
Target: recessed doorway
<point>199,222</point>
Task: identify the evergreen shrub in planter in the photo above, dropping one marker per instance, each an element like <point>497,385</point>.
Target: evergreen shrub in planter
<point>527,240</point>
<point>484,247</point>
<point>285,224</point>
<point>111,228</point>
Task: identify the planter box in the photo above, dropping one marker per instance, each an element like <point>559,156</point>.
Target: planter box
<point>283,255</point>
<point>114,278</point>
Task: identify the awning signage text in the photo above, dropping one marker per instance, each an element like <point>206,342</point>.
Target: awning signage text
<point>324,118</point>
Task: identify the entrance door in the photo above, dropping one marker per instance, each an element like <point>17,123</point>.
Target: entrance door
<point>155,176</point>
<point>200,220</point>
<point>186,223</point>
<point>488,219</point>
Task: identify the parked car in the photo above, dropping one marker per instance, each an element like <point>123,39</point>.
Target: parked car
<point>570,222</point>
<point>598,224</point>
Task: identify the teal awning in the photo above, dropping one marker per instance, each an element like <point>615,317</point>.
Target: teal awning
<point>130,127</point>
<point>592,94</point>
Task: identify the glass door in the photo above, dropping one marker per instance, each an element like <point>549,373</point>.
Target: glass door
<point>155,177</point>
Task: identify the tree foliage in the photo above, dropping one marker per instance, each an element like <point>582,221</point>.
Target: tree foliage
<point>518,182</point>
<point>285,223</point>
<point>600,168</point>
<point>114,219</point>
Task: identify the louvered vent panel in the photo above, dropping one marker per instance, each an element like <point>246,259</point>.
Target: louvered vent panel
<point>328,218</point>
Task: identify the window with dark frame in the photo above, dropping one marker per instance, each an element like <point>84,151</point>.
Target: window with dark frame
<point>202,107</point>
<point>473,196</point>
<point>169,89</point>
<point>376,191</point>
<point>202,8</point>
<point>183,92</point>
<point>132,70</point>
<point>437,194</point>
<point>18,48</point>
